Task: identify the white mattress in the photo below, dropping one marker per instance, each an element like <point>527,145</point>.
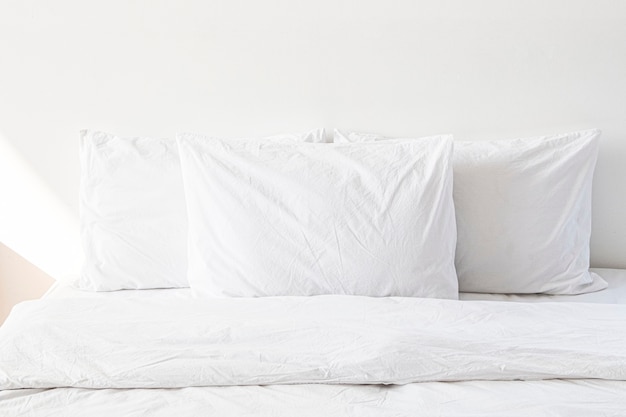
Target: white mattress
<point>614,294</point>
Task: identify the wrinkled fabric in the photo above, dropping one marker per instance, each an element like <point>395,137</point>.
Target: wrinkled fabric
<point>615,293</point>
<point>373,219</point>
<point>133,213</point>
<point>523,211</point>
<point>572,398</point>
<point>95,343</point>
<point>524,214</point>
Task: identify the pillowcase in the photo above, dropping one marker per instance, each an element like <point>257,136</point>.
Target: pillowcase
<point>523,210</point>
<point>301,219</point>
<point>524,214</point>
<point>133,211</point>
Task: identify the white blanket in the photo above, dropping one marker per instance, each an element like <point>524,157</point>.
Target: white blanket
<point>571,398</point>
<point>328,339</point>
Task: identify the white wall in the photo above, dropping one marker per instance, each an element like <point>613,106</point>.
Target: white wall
<point>478,69</point>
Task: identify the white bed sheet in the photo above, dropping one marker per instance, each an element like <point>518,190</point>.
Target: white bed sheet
<point>614,294</point>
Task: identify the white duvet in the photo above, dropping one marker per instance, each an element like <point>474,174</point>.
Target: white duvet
<point>569,398</point>
<point>98,343</point>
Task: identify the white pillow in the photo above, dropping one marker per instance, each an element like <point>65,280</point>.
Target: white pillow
<point>523,211</point>
<point>524,214</point>
<point>373,219</point>
<point>133,211</point>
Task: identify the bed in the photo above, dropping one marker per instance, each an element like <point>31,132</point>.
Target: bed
<point>258,344</point>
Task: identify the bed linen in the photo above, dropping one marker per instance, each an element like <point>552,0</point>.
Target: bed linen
<point>567,397</point>
<point>129,185</point>
<point>91,343</point>
<point>615,293</point>
<point>523,212</point>
<point>110,341</point>
<point>572,398</point>
<point>299,219</point>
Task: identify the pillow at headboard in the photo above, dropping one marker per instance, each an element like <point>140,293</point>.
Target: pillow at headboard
<point>523,210</point>
<point>524,214</point>
<point>133,211</point>
<point>298,219</point>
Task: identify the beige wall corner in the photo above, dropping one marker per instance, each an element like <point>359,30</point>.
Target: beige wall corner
<point>19,281</point>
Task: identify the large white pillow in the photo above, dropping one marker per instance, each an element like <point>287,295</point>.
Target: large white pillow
<point>133,211</point>
<point>523,211</point>
<point>524,214</point>
<point>373,219</point>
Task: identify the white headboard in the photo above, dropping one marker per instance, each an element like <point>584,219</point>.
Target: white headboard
<point>481,70</point>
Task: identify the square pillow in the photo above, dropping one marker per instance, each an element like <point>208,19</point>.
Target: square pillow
<point>524,214</point>
<point>133,212</point>
<point>523,210</point>
<point>266,219</point>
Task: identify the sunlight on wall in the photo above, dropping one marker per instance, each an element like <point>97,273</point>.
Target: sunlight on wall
<point>33,221</point>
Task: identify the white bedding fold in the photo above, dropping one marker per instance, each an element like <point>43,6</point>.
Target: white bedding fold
<point>579,398</point>
<point>287,340</point>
